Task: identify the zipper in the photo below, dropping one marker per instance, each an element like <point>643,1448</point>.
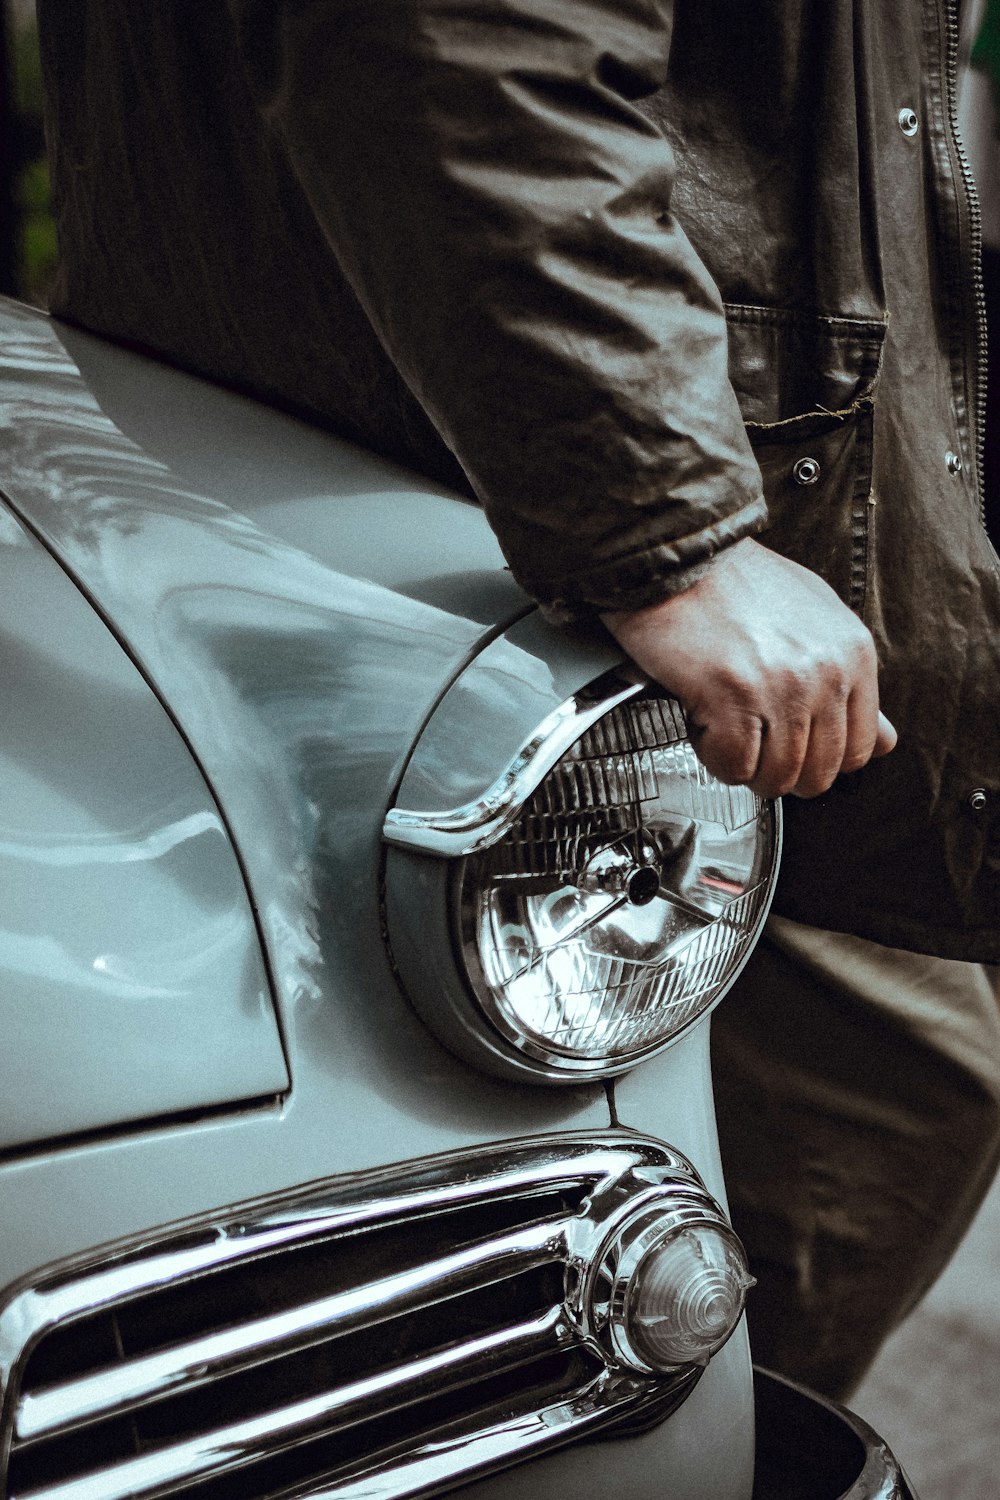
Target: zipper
<point>975,226</point>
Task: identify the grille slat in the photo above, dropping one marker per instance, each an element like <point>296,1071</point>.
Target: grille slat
<point>122,1389</point>
<point>330,1341</point>
<point>238,1445</point>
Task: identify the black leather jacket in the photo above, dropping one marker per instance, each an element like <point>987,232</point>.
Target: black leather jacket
<point>641,265</point>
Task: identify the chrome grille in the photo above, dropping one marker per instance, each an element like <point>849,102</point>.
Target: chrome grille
<point>372,1335</point>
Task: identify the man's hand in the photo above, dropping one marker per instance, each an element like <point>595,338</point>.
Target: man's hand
<point>778,678</point>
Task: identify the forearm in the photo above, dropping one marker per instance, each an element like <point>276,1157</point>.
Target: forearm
<point>503,212</point>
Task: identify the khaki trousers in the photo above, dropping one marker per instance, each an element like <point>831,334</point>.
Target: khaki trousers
<point>858,1098</point>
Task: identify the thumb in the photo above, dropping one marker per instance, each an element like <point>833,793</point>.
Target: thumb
<point>885,739</point>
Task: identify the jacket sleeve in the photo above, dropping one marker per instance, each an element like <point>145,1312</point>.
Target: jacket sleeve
<point>503,212</point>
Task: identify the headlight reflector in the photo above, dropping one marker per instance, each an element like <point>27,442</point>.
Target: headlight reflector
<point>622,901</point>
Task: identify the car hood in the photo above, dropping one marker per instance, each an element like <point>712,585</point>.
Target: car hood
<point>297,605</point>
<point>132,985</point>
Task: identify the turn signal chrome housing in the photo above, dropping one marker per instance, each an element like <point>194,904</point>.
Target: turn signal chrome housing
<point>668,1287</point>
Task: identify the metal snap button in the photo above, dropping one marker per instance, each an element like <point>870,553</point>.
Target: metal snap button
<point>978,799</point>
<point>953,463</point>
<point>908,122</point>
<point>806,471</point>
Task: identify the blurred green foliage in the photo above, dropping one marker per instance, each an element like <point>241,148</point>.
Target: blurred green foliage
<point>27,81</point>
<point>37,246</point>
<point>35,250</point>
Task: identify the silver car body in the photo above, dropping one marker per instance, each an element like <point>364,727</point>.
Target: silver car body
<point>221,631</point>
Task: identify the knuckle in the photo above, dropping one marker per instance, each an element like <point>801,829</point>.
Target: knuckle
<point>732,752</point>
<point>831,674</point>
<point>815,783</point>
<point>786,784</point>
<point>772,786</point>
<point>736,766</point>
<point>783,771</point>
<point>744,685</point>
<point>838,684</point>
<point>862,648</point>
<point>816,677</point>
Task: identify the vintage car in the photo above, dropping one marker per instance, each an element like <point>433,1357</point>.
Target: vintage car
<point>359,936</point>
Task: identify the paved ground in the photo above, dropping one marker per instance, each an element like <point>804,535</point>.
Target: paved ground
<point>935,1392</point>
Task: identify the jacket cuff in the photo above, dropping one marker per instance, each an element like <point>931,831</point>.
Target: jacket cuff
<point>646,575</point>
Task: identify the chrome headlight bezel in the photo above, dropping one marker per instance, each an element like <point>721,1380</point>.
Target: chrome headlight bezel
<point>431,930</point>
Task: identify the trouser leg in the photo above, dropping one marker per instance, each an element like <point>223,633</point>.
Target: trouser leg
<point>858,1097</point>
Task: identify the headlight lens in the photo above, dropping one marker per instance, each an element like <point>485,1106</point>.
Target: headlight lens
<point>623,900</point>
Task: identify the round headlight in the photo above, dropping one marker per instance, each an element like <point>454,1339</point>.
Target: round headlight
<point>623,900</point>
<point>602,894</point>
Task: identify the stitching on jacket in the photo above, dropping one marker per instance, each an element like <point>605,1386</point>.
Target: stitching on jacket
<point>870,330</point>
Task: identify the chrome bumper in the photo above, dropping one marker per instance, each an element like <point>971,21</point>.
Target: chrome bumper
<point>808,1448</point>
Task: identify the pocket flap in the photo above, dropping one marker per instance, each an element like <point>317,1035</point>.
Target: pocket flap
<point>784,364</point>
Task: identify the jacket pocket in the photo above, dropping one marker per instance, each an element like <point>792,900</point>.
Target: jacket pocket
<point>806,386</point>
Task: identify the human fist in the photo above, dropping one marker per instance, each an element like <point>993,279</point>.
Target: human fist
<point>778,678</point>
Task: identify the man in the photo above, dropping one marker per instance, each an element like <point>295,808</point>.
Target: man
<point>686,293</point>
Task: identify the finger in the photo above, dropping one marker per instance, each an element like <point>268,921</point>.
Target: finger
<point>863,724</point>
<point>729,746</point>
<point>783,752</point>
<point>886,738</point>
<point>824,755</point>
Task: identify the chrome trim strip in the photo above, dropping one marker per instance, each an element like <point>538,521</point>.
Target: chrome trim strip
<point>483,821</point>
<point>431,1468</point>
<point>261,1227</point>
<point>128,1386</point>
<point>242,1443</point>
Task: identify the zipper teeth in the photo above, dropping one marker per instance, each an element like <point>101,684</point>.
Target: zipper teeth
<point>976,232</point>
